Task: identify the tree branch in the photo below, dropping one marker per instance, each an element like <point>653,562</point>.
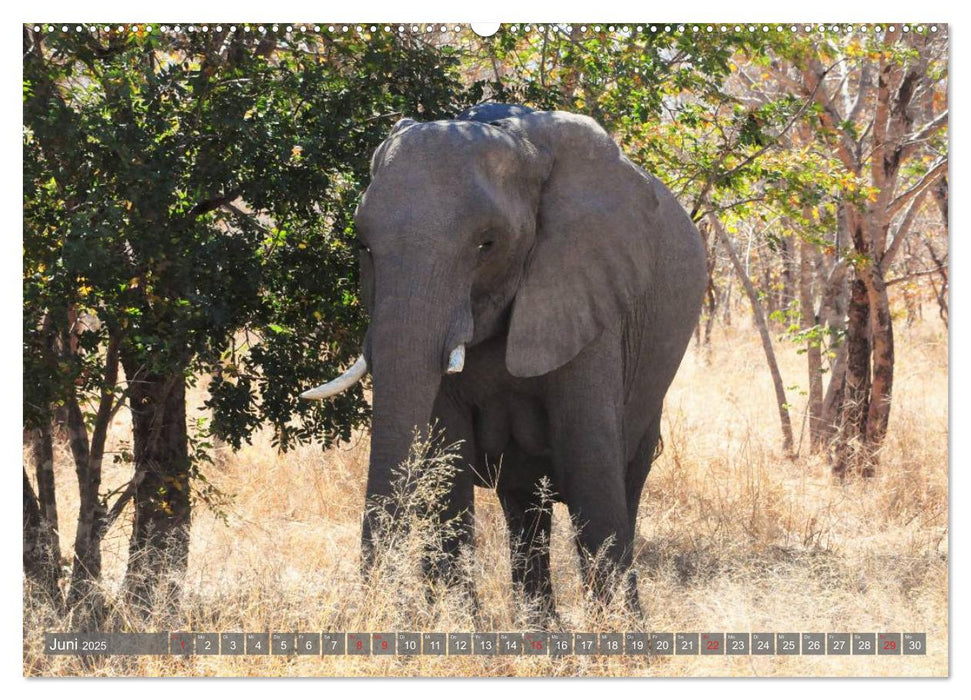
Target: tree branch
<point>208,205</point>
<point>830,115</point>
<point>929,178</point>
<point>123,500</point>
<point>926,131</point>
<point>763,328</point>
<point>702,196</point>
<point>861,91</point>
<point>106,402</point>
<point>232,208</point>
<point>913,275</point>
<point>902,230</point>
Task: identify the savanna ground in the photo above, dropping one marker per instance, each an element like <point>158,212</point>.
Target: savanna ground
<point>733,536</point>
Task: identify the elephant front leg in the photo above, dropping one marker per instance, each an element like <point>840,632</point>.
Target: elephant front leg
<point>585,405</point>
<point>604,544</point>
<point>453,421</point>
<point>529,519</point>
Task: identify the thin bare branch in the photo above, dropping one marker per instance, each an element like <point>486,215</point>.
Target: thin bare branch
<point>915,275</point>
<point>901,233</point>
<point>930,177</point>
<point>928,130</point>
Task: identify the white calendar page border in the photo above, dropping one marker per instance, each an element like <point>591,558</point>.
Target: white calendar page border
<point>465,12</point>
<point>483,11</point>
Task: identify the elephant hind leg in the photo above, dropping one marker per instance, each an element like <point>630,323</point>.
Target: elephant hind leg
<point>529,519</point>
<point>637,471</point>
<point>639,467</point>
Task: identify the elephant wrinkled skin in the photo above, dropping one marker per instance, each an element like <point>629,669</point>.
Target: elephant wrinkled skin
<point>532,292</point>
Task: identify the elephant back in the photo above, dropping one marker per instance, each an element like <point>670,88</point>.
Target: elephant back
<point>493,111</point>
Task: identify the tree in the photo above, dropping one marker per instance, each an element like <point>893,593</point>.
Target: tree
<point>191,192</point>
<point>881,108</point>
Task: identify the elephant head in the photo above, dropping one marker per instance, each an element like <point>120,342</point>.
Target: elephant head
<point>530,226</point>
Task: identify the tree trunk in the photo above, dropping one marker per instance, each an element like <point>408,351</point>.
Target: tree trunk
<point>711,295</point>
<point>850,451</point>
<point>940,292</point>
<point>833,314</point>
<point>159,546</point>
<point>881,385</point>
<point>884,155</point>
<point>42,546</point>
<point>773,296</point>
<point>42,555</point>
<point>940,196</point>
<point>814,357</point>
<point>43,449</point>
<point>760,322</point>
<point>835,392</point>
<point>35,556</point>
<point>787,294</point>
<point>86,570</point>
<point>727,302</point>
<point>88,457</point>
<point>711,308</point>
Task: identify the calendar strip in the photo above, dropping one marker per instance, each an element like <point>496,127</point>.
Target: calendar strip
<point>490,643</point>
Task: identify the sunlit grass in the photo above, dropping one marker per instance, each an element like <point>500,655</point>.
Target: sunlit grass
<point>732,537</point>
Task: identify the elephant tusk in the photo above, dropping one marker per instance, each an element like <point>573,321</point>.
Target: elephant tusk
<point>342,383</point>
<point>456,360</point>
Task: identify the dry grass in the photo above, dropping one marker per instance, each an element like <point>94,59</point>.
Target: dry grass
<point>733,537</point>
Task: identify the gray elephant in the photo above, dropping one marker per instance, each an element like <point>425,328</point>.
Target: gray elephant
<point>532,292</point>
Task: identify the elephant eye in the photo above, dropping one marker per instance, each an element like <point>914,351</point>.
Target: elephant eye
<point>363,247</point>
<point>485,245</point>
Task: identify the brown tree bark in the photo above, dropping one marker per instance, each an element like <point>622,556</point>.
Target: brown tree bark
<point>159,545</point>
<point>850,454</point>
<point>881,385</point>
<point>43,449</point>
<point>42,552</point>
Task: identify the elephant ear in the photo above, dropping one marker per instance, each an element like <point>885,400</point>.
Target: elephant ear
<point>590,258</point>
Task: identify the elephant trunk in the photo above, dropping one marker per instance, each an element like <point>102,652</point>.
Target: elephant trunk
<point>413,345</point>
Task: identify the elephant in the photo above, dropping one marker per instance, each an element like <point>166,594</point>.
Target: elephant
<point>532,292</point>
